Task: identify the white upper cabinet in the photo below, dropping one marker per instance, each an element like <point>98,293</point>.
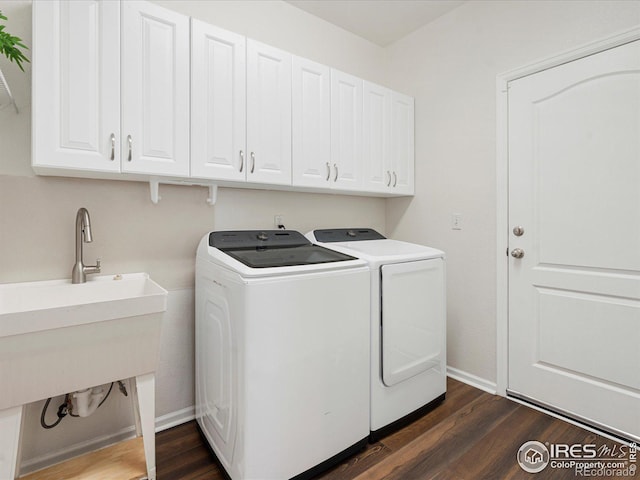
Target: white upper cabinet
<point>376,138</point>
<point>268,114</point>
<point>101,108</point>
<point>311,136</point>
<point>218,103</point>
<point>155,90</point>
<point>129,89</point>
<point>402,144</point>
<point>346,131</point>
<point>76,85</point>
<point>388,152</point>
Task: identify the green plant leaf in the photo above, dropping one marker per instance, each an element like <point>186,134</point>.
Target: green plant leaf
<point>10,46</point>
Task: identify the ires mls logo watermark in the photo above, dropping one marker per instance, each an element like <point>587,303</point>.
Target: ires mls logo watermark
<point>585,460</point>
<point>533,456</point>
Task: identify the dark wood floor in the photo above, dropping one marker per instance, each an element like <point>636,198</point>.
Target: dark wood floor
<point>472,435</point>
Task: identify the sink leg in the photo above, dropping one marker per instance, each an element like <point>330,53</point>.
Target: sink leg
<point>10,426</point>
<point>145,393</point>
<point>135,405</point>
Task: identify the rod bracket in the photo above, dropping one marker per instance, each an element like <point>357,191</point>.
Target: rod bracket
<point>154,189</point>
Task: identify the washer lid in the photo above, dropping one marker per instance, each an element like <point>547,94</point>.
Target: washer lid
<point>369,245</point>
<point>273,248</point>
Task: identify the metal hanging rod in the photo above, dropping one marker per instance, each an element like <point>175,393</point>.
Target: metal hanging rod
<point>5,86</point>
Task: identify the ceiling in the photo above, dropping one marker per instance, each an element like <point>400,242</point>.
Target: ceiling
<point>379,21</point>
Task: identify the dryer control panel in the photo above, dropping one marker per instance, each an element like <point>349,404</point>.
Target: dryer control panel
<point>346,235</point>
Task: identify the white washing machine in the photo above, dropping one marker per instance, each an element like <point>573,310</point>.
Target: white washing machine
<point>282,353</point>
<point>408,323</point>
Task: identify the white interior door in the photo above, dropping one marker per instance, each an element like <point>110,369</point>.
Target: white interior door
<point>574,188</point>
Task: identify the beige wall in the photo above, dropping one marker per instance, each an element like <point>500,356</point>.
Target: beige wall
<point>131,233</point>
<point>37,214</point>
<point>284,26</point>
<point>450,66</point>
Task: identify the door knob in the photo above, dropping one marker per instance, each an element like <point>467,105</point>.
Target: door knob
<point>517,253</point>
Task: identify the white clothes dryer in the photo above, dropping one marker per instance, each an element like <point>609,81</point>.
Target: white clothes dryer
<point>282,353</point>
<point>408,323</point>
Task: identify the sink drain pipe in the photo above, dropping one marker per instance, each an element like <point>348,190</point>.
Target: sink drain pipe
<point>86,401</point>
<point>81,403</point>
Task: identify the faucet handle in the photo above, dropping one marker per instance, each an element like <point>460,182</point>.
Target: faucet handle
<point>92,268</point>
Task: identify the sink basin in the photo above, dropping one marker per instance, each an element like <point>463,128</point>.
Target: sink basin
<point>56,337</point>
<point>34,306</point>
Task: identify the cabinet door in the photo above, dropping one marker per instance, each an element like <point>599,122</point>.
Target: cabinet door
<point>155,90</point>
<point>402,139</point>
<point>218,103</point>
<point>346,131</point>
<point>268,114</point>
<point>376,137</point>
<point>311,106</point>
<point>76,85</point>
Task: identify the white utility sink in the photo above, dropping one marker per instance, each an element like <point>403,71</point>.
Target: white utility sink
<point>34,306</point>
<point>57,337</point>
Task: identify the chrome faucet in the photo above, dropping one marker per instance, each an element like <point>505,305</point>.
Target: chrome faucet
<point>83,233</point>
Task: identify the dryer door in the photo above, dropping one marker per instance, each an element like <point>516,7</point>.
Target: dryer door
<point>413,319</point>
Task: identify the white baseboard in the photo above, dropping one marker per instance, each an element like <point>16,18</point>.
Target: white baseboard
<point>163,422</point>
<point>174,419</point>
<point>473,380</point>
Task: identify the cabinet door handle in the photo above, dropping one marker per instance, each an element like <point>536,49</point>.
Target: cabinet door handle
<point>335,177</point>
<point>395,179</point>
<point>241,160</point>
<point>389,180</point>
<point>130,142</point>
<point>328,171</point>
<point>113,147</point>
<point>253,161</point>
